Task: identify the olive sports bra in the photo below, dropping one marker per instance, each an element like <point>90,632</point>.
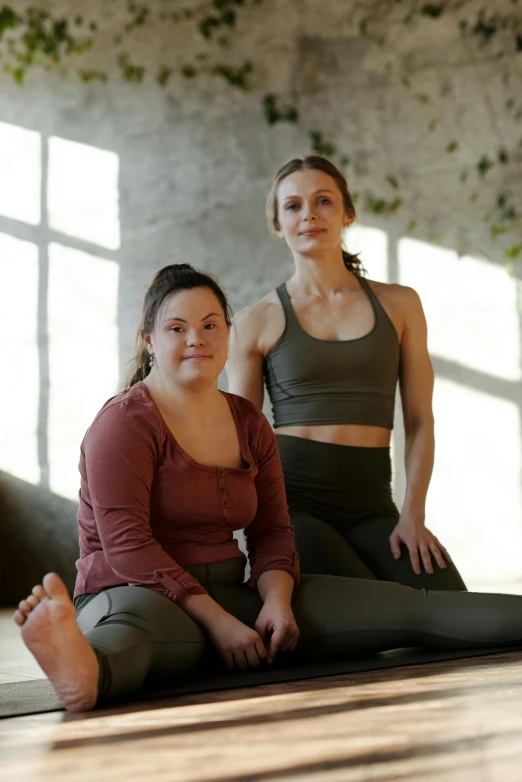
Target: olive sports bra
<point>314,381</point>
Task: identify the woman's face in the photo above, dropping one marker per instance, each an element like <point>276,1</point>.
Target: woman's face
<point>190,338</point>
<point>311,212</point>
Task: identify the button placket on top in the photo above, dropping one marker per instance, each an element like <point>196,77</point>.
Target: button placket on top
<point>222,489</point>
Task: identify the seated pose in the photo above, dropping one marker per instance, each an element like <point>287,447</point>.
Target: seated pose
<point>169,469</point>
<point>331,346</point>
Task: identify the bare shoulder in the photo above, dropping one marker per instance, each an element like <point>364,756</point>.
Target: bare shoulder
<point>253,323</point>
<point>400,302</point>
<point>401,298</point>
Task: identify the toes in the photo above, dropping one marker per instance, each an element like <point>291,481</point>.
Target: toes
<point>24,607</point>
<point>54,587</point>
<point>19,617</point>
<point>33,601</point>
<point>39,592</point>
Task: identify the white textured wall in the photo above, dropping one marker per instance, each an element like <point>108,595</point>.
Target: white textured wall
<point>102,184</point>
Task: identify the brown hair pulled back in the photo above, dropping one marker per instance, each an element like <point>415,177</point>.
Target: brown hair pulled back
<point>312,163</point>
<point>170,279</point>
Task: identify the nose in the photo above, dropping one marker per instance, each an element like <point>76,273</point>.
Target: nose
<point>308,212</point>
<point>195,337</point>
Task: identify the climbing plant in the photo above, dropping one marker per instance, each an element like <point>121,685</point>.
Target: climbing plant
<point>37,38</point>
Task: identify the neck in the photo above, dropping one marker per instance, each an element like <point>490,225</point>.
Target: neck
<point>322,274</point>
<point>197,405</point>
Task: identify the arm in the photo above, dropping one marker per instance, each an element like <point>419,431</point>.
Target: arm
<point>416,386</point>
<point>270,536</point>
<point>245,362</point>
<point>271,547</point>
<point>121,451</point>
<point>276,623</point>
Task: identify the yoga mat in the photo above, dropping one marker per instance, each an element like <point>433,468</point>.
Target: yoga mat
<point>37,696</point>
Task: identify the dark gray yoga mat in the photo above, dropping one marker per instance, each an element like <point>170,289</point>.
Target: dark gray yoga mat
<point>37,696</point>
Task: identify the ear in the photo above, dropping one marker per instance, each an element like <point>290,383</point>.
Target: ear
<point>147,341</point>
<point>349,217</point>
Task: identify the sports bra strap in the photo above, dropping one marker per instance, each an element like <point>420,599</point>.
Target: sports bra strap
<point>284,298</point>
<point>367,288</point>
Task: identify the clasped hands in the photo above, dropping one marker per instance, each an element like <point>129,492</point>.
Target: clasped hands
<point>242,647</point>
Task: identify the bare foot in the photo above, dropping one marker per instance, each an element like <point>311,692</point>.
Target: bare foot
<point>50,632</point>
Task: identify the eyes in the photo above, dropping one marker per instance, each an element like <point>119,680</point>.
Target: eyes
<point>293,206</point>
<point>180,329</point>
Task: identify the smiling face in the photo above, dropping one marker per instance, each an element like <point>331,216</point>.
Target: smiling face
<point>190,339</point>
<point>311,214</point>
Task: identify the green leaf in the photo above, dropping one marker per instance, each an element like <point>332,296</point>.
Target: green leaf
<point>188,72</point>
<point>392,181</point>
<point>321,146</point>
<point>422,97</point>
<point>208,25</point>
<point>411,226</point>
<point>274,113</point>
<point>463,176</point>
<point>432,125</point>
<point>513,252</point>
<point>378,205</point>
<point>484,165</point>
<point>229,18</point>
<point>163,75</point>
<point>452,146</point>
<point>497,230</point>
<point>344,161</point>
<point>8,20</point>
<point>433,10</point>
<point>473,197</point>
<point>90,76</point>
<point>503,156</point>
<point>237,77</point>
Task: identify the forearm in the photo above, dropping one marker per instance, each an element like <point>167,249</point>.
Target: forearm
<point>276,586</point>
<point>202,609</point>
<point>419,457</point>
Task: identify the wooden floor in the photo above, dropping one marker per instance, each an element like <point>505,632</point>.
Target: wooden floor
<point>458,721</point>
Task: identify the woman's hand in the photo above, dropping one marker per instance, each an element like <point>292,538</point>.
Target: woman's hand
<point>421,544</point>
<point>277,627</point>
<point>238,645</point>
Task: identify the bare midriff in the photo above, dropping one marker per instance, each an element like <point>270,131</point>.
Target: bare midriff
<point>361,436</point>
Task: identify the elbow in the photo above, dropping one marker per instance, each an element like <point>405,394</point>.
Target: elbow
<point>418,423</point>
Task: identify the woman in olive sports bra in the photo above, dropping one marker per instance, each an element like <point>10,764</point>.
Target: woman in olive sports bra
<point>331,347</point>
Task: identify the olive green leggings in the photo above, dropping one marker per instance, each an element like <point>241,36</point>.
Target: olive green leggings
<point>137,633</point>
<point>343,514</point>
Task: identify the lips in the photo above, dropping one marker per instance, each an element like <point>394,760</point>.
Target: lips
<point>312,232</point>
<point>196,358</point>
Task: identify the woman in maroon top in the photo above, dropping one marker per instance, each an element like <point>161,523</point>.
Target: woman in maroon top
<point>169,469</point>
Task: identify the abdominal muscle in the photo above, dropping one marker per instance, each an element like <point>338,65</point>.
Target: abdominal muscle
<point>341,434</point>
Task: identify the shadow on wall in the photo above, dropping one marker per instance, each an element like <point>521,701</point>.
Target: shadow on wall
<point>38,533</point>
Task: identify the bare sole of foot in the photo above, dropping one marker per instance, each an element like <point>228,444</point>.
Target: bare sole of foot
<point>49,630</point>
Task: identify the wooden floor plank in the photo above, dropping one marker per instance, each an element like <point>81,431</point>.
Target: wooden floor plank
<point>451,721</point>
<point>457,721</point>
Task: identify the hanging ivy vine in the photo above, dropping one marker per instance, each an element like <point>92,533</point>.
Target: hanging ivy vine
<point>36,37</point>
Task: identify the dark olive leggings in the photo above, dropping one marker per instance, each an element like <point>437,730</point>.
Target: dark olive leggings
<point>343,514</point>
<point>137,633</point>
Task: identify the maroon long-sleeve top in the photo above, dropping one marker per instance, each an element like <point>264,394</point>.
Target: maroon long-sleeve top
<point>148,510</point>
